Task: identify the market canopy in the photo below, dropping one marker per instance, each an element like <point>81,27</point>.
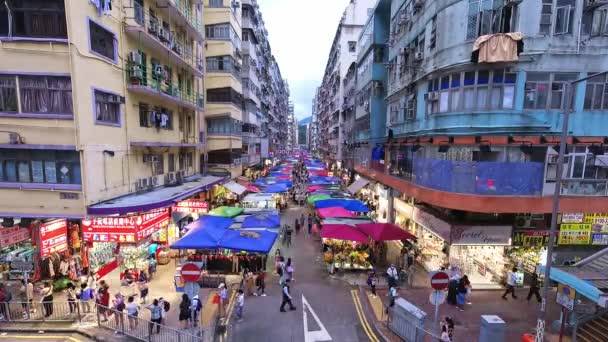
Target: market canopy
<point>357,185</point>
<point>384,231</point>
<point>342,232</point>
<point>249,241</point>
<point>235,187</point>
<point>204,233</point>
<point>347,220</point>
<point>276,188</point>
<point>262,221</point>
<point>313,188</point>
<point>252,188</point>
<point>225,211</point>
<point>348,204</point>
<point>313,198</point>
<point>334,212</point>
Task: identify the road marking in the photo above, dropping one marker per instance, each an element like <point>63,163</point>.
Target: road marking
<point>366,327</point>
<point>316,335</point>
<point>41,337</point>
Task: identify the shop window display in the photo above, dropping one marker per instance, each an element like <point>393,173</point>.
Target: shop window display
<point>101,254</point>
<point>346,255</point>
<point>482,264</point>
<point>434,251</point>
<point>134,256</point>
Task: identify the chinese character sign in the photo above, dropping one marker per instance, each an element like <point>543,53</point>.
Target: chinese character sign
<point>191,206</point>
<point>53,237</point>
<point>574,234</point>
<point>128,229</point>
<point>13,235</point>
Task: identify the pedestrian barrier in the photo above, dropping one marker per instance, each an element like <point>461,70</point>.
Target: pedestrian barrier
<point>407,327</point>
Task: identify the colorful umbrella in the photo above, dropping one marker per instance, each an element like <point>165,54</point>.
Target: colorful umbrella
<point>343,232</point>
<point>384,231</point>
<point>314,188</point>
<point>252,188</point>
<point>334,212</point>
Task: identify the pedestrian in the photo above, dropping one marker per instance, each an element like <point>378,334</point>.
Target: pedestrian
<point>195,307</point>
<point>165,306</point>
<point>4,300</point>
<point>143,290</point>
<point>26,300</point>
<point>447,329</point>
<point>290,269</point>
<point>132,312</point>
<point>85,295</point>
<point>281,271</point>
<point>302,220</point>
<point>47,299</point>
<point>297,223</point>
<point>103,300</point>
<point>249,282</point>
<point>372,281</point>
<point>240,303</point>
<point>260,283</point>
<point>392,275</point>
<point>184,311</point>
<point>392,296</point>
<point>118,305</point>
<point>151,266</point>
<point>309,227</point>
<point>70,292</point>
<point>155,316</point>
<point>286,297</point>
<point>511,280</point>
<point>223,298</point>
<point>534,288</point>
<point>152,250</point>
<point>461,295</point>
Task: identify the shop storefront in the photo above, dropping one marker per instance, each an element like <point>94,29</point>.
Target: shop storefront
<point>433,239</point>
<point>403,214</point>
<point>125,236</point>
<point>382,194</point>
<point>529,249</point>
<point>15,243</point>
<point>182,213</point>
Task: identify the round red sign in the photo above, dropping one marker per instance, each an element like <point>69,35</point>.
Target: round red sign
<point>440,280</point>
<point>190,272</point>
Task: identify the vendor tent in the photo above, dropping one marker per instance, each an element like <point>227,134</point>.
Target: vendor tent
<point>276,188</point>
<point>252,188</point>
<point>317,197</point>
<point>334,212</point>
<point>384,231</point>
<point>348,220</point>
<point>249,241</point>
<point>342,232</point>
<point>226,211</point>
<point>357,185</point>
<point>204,233</point>
<point>262,221</point>
<point>348,204</point>
<point>235,187</point>
<point>314,188</point>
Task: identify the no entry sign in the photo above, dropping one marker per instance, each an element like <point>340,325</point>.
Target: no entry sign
<point>440,280</point>
<point>190,272</point>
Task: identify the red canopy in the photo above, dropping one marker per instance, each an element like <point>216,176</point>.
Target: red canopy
<point>252,188</point>
<point>314,188</point>
<point>284,177</point>
<point>318,172</point>
<point>343,232</point>
<point>334,212</point>
<point>384,231</point>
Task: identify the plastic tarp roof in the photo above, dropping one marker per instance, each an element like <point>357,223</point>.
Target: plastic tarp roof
<point>343,232</point>
<point>225,211</point>
<point>384,231</point>
<point>348,204</point>
<point>250,241</point>
<point>262,221</point>
<point>276,188</point>
<point>317,197</point>
<point>334,212</point>
<point>252,188</point>
<point>351,220</point>
<point>313,188</point>
<point>326,179</point>
<point>257,198</point>
<point>204,233</point>
<point>357,185</point>
<point>235,187</point>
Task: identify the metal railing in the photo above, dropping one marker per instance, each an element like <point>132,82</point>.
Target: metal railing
<point>404,328</point>
<point>144,76</point>
<point>135,327</point>
<point>584,187</point>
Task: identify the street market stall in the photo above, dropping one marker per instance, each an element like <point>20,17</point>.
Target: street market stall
<point>345,248</point>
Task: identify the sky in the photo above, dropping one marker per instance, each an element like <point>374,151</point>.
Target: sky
<point>300,35</point>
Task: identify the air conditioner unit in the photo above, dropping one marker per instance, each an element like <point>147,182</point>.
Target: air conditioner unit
<point>143,183</point>
<point>235,4</point>
<point>432,96</point>
<point>418,56</point>
<point>153,181</point>
<point>523,221</point>
<point>135,57</point>
<point>149,158</point>
<point>136,72</point>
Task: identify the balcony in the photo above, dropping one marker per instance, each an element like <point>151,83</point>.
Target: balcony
<point>585,187</point>
<point>155,83</point>
<point>148,33</point>
<point>183,15</point>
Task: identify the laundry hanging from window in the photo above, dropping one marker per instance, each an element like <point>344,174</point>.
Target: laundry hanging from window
<point>500,47</point>
<point>104,7</point>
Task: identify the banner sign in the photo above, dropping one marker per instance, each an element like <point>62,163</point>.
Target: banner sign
<point>481,235</point>
<point>128,229</point>
<point>531,238</point>
<point>193,206</point>
<point>53,237</point>
<point>13,235</point>
<point>432,223</point>
<point>573,217</point>
<point>574,234</point>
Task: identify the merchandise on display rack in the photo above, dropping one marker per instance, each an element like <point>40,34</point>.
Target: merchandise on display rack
<point>102,254</point>
<point>135,256</point>
<point>433,250</point>
<point>482,264</point>
<point>346,255</point>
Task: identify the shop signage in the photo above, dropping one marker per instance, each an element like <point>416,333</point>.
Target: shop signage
<point>565,296</point>
<point>403,208</point>
<point>481,235</point>
<point>531,238</point>
<point>432,223</point>
<point>574,234</point>
<point>598,218</point>
<point>53,237</point>
<point>13,235</point>
<point>599,239</point>
<point>573,217</point>
<point>124,228</point>
<point>191,206</point>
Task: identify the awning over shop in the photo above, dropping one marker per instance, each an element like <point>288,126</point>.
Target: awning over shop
<point>235,187</point>
<point>384,231</point>
<point>348,204</point>
<point>357,185</point>
<point>334,212</point>
<point>262,221</point>
<point>343,232</point>
<point>153,199</point>
<point>204,233</point>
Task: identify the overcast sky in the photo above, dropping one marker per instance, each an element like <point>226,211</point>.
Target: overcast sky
<point>300,35</point>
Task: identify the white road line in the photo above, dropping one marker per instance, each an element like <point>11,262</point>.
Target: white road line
<point>316,335</point>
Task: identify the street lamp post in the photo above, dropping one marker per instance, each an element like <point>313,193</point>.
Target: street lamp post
<point>570,93</point>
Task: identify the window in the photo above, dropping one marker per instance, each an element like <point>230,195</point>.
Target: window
<point>352,46</point>
<point>45,95</point>
<point>158,165</point>
<point>596,93</point>
<point>490,16</point>
<point>216,3</point>
<point>224,64</point>
<point>33,19</point>
<point>107,108</point>
<point>157,117</point>
<point>224,126</point>
<point>40,166</point>
<point>564,16</point>
<point>102,41</point>
<point>433,40</point>
<point>546,91</point>
<point>595,23</point>
<point>8,94</point>
<point>546,15</point>
<point>225,95</point>
<point>171,162</point>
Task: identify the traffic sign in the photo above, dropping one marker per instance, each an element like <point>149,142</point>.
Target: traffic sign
<point>437,297</point>
<point>440,280</point>
<point>190,272</point>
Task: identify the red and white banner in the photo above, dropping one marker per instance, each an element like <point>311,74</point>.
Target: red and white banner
<point>53,237</point>
<point>128,229</point>
<point>193,206</point>
<point>13,235</point>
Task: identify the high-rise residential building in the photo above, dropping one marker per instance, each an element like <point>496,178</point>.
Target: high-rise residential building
<point>101,107</point>
<point>304,132</point>
<point>332,100</point>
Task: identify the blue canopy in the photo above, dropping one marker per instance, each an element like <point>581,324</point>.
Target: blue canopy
<point>324,179</point>
<point>249,241</point>
<point>204,233</point>
<point>262,221</point>
<point>276,188</point>
<point>277,174</point>
<point>348,204</point>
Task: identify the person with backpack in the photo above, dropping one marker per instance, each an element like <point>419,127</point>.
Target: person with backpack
<point>184,310</point>
<point>155,316</point>
<point>286,297</point>
<point>195,308</point>
<point>85,296</point>
<point>166,306</point>
<point>118,304</point>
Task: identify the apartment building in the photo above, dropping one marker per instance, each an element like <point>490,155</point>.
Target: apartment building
<point>332,109</point>
<point>101,107</point>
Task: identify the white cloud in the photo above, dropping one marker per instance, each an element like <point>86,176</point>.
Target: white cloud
<point>300,35</point>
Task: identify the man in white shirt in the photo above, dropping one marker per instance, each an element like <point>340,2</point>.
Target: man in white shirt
<point>511,281</point>
<point>240,303</point>
<point>393,275</point>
